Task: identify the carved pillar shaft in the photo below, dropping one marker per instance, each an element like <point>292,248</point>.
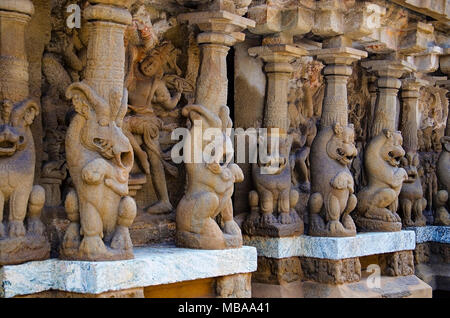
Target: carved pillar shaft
<point>388,72</point>
<point>106,50</point>
<point>212,84</point>
<point>278,70</point>
<point>335,104</point>
<point>410,98</point>
<point>337,73</point>
<point>220,31</point>
<point>14,17</point>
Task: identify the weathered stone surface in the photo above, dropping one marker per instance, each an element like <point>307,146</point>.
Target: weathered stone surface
<point>397,263</point>
<point>277,271</point>
<point>438,234</point>
<point>234,286</point>
<point>333,248</point>
<point>331,271</point>
<point>151,266</point>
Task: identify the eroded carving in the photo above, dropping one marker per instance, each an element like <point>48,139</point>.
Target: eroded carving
<point>19,199</point>
<point>332,190</point>
<point>209,188</point>
<point>378,201</point>
<point>99,158</point>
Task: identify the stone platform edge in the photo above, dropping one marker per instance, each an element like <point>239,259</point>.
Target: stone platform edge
<point>431,233</point>
<point>152,266</point>
<point>363,244</point>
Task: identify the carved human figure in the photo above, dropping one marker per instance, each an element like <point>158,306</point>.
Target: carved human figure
<point>209,188</point>
<point>99,158</point>
<point>411,197</point>
<point>332,187</point>
<point>20,243</point>
<point>378,201</point>
<point>149,99</point>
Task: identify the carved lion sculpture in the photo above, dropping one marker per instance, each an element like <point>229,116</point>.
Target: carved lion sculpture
<point>99,158</point>
<point>443,172</point>
<point>332,184</point>
<point>209,188</point>
<point>273,203</point>
<point>412,202</point>
<point>378,201</point>
<point>17,163</point>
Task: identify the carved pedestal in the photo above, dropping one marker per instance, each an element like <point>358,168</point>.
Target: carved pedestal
<point>368,265</point>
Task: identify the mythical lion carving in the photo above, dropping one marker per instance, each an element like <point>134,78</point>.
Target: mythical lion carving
<point>443,172</point>
<point>273,203</point>
<point>378,201</point>
<point>209,188</point>
<point>17,163</point>
<point>99,158</point>
<point>332,186</point>
<point>411,198</point>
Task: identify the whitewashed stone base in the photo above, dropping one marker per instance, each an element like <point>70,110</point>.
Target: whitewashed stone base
<point>152,266</point>
<point>437,234</point>
<point>334,248</point>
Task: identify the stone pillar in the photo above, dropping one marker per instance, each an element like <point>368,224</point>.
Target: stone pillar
<point>14,17</point>
<point>279,71</point>
<point>338,69</point>
<point>329,161</point>
<point>378,201</point>
<point>388,72</point>
<point>411,198</point>
<point>220,31</point>
<point>106,49</point>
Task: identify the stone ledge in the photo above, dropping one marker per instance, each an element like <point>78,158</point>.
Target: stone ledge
<point>334,248</point>
<point>438,234</point>
<point>152,266</point>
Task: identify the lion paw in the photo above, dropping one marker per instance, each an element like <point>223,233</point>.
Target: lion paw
<point>335,227</point>
<point>93,247</point>
<point>16,229</point>
<point>122,239</point>
<point>72,236</point>
<point>268,218</point>
<point>231,228</point>
<point>36,227</point>
<point>285,218</point>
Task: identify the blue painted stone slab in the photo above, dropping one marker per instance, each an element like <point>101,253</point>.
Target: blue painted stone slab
<point>334,248</point>
<point>151,266</point>
<point>438,234</point>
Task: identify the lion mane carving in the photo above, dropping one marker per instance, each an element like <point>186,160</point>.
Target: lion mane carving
<point>332,184</point>
<point>378,201</point>
<point>443,172</point>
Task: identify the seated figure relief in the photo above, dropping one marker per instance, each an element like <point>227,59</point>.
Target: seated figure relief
<point>20,201</point>
<point>332,188</point>
<point>378,201</point>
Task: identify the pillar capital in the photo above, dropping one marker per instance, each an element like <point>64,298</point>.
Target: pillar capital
<point>389,68</point>
<point>277,54</point>
<point>219,27</point>
<point>339,55</point>
<point>18,6</point>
